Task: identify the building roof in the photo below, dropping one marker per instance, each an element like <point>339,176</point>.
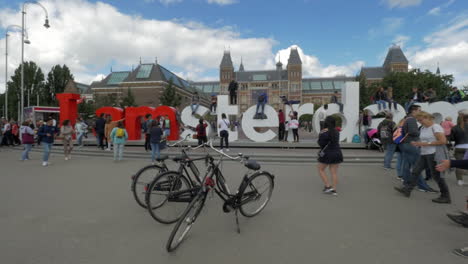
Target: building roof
<point>111,80</point>
<point>395,55</point>
<point>147,72</point>
<point>294,57</point>
<point>252,76</point>
<point>83,88</point>
<point>226,61</point>
<point>373,72</point>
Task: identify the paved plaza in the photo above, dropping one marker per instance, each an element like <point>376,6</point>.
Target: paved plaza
<point>82,211</point>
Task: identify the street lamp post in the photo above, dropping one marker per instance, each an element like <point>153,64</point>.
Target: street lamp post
<point>8,29</point>
<point>46,25</point>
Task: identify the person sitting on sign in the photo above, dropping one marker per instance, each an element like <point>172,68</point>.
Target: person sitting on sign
<point>455,96</point>
<point>214,103</point>
<point>195,102</point>
<point>261,101</point>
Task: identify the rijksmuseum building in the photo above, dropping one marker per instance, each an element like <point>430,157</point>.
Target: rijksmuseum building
<point>148,81</point>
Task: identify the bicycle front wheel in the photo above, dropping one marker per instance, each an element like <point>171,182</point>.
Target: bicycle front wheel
<point>141,180</point>
<point>185,222</point>
<point>256,194</point>
<point>168,196</point>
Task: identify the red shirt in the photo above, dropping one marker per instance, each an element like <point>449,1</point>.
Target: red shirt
<point>281,117</point>
<point>201,130</point>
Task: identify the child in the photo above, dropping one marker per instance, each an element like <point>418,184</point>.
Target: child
<point>447,126</point>
<point>294,125</point>
<point>119,137</point>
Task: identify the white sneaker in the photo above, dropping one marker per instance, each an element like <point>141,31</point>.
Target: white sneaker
<point>45,163</point>
<point>460,182</point>
<point>66,158</point>
<point>227,149</point>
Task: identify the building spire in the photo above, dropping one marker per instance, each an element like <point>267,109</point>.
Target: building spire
<point>111,69</point>
<point>156,60</point>
<point>241,67</point>
<point>438,69</point>
<point>140,60</point>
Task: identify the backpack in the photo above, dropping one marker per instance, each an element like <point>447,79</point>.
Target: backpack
<point>385,132</point>
<point>399,135</point>
<point>356,139</point>
<point>261,98</point>
<point>120,133</point>
<point>462,94</point>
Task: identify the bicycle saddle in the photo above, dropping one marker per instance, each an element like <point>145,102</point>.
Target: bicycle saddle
<point>162,158</point>
<point>179,158</point>
<point>252,164</point>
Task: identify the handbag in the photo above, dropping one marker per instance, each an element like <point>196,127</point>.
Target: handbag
<point>321,152</point>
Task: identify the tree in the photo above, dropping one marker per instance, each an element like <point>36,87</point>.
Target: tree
<point>56,81</point>
<point>169,96</point>
<point>33,85</point>
<point>403,82</point>
<point>105,100</point>
<point>128,100</point>
<point>86,109</point>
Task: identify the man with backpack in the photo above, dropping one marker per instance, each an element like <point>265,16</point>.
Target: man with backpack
<point>409,153</point>
<point>385,132</point>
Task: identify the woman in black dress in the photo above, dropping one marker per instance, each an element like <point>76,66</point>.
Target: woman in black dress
<point>329,142</point>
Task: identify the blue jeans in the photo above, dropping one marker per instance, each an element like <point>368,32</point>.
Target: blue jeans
<point>118,151</point>
<point>79,139</point>
<point>399,167</point>
<point>408,105</point>
<point>47,148</point>
<point>381,102</point>
<point>25,154</point>
<point>262,105</point>
<point>155,151</point>
<point>194,107</point>
<point>389,151</point>
<point>167,131</point>
<point>409,154</point>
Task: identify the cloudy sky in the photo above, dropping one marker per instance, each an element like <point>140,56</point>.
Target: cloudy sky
<point>189,36</point>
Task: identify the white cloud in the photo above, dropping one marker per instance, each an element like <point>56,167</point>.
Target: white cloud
<point>164,2</point>
<point>388,26</point>
<point>312,67</point>
<point>401,40</point>
<point>401,3</point>
<point>222,2</point>
<point>448,47</point>
<point>103,36</point>
<point>434,11</point>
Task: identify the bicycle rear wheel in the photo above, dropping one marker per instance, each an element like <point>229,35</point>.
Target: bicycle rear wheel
<point>168,196</point>
<point>256,194</point>
<point>185,222</point>
<point>141,180</point>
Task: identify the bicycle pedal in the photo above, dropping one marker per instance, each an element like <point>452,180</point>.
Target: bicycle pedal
<point>227,208</point>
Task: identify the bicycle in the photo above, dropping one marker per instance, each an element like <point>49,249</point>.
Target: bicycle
<point>248,192</point>
<point>146,175</point>
<point>158,192</point>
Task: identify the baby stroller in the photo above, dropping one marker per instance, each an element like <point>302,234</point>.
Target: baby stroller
<point>373,140</point>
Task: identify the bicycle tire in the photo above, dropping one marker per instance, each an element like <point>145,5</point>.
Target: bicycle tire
<point>158,197</point>
<point>138,194</point>
<point>250,192</point>
<point>186,220</point>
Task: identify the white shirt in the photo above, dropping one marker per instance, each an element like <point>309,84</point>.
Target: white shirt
<point>427,135</point>
<point>6,127</point>
<point>223,124</point>
<point>294,124</point>
<point>322,114</point>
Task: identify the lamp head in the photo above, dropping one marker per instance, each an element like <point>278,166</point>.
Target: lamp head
<point>46,24</point>
<point>26,41</point>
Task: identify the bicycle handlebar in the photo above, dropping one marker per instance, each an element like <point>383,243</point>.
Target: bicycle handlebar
<point>239,156</point>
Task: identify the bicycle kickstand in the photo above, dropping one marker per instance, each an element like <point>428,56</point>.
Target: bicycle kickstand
<point>237,221</point>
